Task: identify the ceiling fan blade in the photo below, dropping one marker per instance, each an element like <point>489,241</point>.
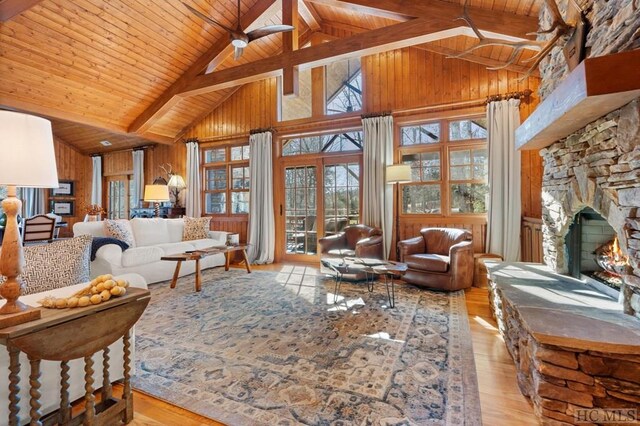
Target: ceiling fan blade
<point>268,30</point>
<point>238,52</point>
<point>206,18</point>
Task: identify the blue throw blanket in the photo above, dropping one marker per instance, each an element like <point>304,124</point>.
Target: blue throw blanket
<point>101,241</point>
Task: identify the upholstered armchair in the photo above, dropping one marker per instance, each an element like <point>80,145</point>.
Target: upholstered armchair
<point>440,259</point>
<point>355,240</point>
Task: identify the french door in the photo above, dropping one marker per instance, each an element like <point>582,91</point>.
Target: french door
<point>320,197</point>
<point>118,196</point>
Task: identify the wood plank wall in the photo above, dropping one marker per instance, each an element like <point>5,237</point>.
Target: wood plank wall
<point>401,81</point>
<point>75,166</point>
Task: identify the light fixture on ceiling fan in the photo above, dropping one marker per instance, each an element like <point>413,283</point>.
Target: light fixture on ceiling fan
<point>240,39</point>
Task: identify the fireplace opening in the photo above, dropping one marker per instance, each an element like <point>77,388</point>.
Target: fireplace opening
<point>593,252</point>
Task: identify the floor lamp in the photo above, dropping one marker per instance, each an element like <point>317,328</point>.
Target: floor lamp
<point>156,194</point>
<point>397,174</point>
<point>30,161</point>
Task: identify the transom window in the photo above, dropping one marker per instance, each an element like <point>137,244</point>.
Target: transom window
<point>226,180</point>
<point>338,142</point>
<point>449,167</point>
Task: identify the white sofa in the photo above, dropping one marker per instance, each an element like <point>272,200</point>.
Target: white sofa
<point>50,378</point>
<point>154,238</point>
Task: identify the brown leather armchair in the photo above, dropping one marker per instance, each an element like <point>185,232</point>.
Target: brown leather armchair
<point>355,240</point>
<point>440,259</point>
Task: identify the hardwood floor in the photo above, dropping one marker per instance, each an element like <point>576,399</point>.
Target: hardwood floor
<point>501,400</point>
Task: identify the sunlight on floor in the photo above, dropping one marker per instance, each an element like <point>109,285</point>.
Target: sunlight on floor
<point>384,336</point>
<point>484,323</point>
<point>301,281</point>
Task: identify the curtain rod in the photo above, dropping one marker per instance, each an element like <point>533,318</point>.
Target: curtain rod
<point>523,94</point>
<point>263,130</point>
<point>137,148</point>
<point>376,114</point>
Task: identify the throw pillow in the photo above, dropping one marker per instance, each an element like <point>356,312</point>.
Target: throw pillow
<point>121,230</point>
<point>59,264</point>
<point>196,228</point>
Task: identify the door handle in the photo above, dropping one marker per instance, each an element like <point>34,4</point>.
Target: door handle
<point>280,209</point>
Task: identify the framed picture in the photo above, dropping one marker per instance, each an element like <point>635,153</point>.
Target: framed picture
<point>64,190</point>
<point>62,208</point>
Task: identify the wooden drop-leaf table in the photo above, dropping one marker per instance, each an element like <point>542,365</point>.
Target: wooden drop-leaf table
<point>67,334</point>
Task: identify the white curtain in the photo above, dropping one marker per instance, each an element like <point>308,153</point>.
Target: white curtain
<point>138,177</point>
<point>33,202</point>
<point>193,205</point>
<point>262,228</point>
<point>377,196</point>
<point>96,181</point>
<point>503,227</point>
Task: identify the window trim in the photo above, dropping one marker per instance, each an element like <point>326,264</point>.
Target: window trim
<point>444,147</point>
<point>228,166</point>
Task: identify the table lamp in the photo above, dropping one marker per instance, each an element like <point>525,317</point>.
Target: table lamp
<point>176,184</point>
<point>30,161</point>
<point>397,174</point>
<point>156,194</point>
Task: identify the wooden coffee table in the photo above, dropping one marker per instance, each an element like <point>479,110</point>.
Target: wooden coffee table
<point>197,255</point>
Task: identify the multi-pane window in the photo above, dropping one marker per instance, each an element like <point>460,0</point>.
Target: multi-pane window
<point>449,167</point>
<point>344,86</point>
<point>226,180</point>
<point>341,196</point>
<point>339,142</point>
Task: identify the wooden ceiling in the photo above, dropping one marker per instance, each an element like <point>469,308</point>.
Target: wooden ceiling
<point>116,70</point>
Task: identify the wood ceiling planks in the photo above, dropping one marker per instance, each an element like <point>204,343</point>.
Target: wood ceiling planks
<point>102,63</point>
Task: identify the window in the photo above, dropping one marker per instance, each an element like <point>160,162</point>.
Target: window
<point>344,86</point>
<point>226,180</point>
<point>339,142</point>
<point>3,195</point>
<point>449,167</point>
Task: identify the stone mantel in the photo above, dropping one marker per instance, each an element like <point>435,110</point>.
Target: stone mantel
<point>595,88</point>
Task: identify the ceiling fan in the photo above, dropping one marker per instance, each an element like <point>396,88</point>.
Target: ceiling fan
<point>240,39</point>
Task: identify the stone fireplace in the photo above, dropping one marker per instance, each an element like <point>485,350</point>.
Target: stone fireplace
<point>597,167</point>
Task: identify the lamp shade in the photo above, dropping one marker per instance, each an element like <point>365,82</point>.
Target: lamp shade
<point>156,193</point>
<point>176,181</point>
<point>399,173</point>
<point>26,143</point>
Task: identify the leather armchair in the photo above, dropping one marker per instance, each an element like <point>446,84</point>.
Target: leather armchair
<point>440,259</point>
<point>356,241</point>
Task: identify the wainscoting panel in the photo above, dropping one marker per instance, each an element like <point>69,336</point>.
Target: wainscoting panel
<point>231,224</point>
<point>531,240</point>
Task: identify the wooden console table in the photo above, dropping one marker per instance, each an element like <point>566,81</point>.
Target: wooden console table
<point>67,334</point>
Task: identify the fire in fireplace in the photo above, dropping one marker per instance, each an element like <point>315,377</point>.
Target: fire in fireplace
<point>593,250</point>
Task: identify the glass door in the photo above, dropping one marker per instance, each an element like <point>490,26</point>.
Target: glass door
<point>118,191</point>
<point>321,197</point>
<point>301,210</point>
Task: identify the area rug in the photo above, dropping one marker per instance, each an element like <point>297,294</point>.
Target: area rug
<point>273,348</point>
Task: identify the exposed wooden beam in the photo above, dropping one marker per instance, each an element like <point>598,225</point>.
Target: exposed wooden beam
<point>217,53</point>
<point>489,20</point>
<point>397,14</point>
<point>476,59</point>
<point>397,36</point>
<point>11,8</point>
<point>309,15</point>
<point>290,76</point>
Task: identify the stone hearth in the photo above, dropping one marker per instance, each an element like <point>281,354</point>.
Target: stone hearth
<point>597,167</point>
<point>573,347</point>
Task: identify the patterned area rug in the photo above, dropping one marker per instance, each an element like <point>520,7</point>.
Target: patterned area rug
<point>272,348</point>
